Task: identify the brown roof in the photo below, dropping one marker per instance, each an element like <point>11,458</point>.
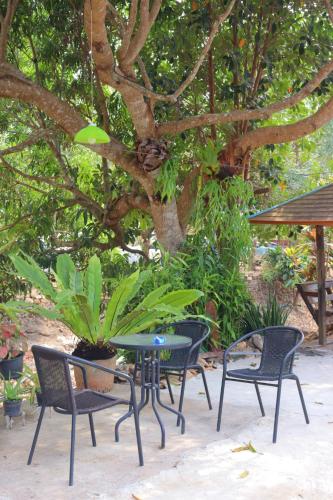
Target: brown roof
<point>314,208</point>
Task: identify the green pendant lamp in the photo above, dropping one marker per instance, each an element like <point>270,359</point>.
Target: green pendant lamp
<point>91,134</point>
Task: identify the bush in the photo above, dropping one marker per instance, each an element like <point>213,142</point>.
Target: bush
<point>260,316</point>
<point>200,265</point>
<point>290,266</point>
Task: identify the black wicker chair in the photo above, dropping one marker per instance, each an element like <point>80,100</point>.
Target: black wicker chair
<point>53,368</point>
<point>182,360</point>
<point>279,346</point>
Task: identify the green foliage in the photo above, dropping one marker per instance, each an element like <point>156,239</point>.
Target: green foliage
<point>221,217</point>
<point>166,182</point>
<point>260,316</point>
<point>13,390</point>
<point>77,300</point>
<point>208,157</point>
<point>199,265</point>
<point>291,265</point>
<point>10,284</point>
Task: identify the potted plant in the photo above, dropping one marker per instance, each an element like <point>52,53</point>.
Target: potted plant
<point>78,303</point>
<point>13,345</point>
<point>31,381</point>
<point>13,393</point>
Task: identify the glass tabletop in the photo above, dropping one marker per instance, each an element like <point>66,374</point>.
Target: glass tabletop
<point>145,342</point>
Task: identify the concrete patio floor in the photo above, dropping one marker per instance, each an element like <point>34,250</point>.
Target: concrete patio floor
<point>199,464</point>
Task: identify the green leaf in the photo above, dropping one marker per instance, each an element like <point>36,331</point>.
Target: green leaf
<point>93,285</point>
<point>20,306</point>
<point>64,268</point>
<point>120,298</point>
<point>84,310</point>
<point>76,281</point>
<point>153,297</point>
<point>30,270</point>
<point>181,298</point>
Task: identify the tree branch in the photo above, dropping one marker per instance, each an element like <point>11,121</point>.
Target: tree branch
<point>284,133</point>
<point>329,9</point>
<point>128,29</point>
<point>175,127</point>
<point>215,28</point>
<point>13,85</point>
<point>147,19</point>
<point>33,139</point>
<point>5,27</point>
<point>123,205</point>
<point>28,216</point>
<point>79,196</point>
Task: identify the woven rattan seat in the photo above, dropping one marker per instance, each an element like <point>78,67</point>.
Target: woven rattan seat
<point>57,392</point>
<point>88,401</point>
<point>249,374</point>
<point>279,346</point>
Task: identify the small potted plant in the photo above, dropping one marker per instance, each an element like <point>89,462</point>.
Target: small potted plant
<point>13,345</point>
<point>13,392</point>
<point>32,383</point>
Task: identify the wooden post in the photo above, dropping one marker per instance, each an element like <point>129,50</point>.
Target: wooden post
<point>321,284</point>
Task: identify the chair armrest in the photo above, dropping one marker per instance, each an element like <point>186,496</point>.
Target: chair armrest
<point>238,341</point>
<point>84,373</point>
<point>74,360</point>
<point>197,344</point>
<point>290,353</point>
<point>245,353</point>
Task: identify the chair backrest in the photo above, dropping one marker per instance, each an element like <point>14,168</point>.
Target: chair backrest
<point>278,342</point>
<point>195,330</point>
<point>54,377</point>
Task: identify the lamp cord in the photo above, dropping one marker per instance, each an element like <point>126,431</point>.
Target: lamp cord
<point>91,58</point>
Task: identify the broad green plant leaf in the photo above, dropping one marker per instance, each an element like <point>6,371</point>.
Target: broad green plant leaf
<point>153,297</point>
<point>94,285</point>
<point>64,268</point>
<point>29,269</point>
<point>181,298</point>
<point>19,306</point>
<point>118,302</point>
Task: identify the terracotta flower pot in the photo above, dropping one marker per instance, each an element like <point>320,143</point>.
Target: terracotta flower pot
<point>97,380</point>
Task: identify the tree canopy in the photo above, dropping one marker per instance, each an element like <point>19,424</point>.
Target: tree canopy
<point>190,93</point>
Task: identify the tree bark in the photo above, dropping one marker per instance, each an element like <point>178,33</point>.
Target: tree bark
<point>167,226</point>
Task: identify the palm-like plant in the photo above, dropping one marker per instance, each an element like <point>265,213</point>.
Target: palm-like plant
<point>77,299</point>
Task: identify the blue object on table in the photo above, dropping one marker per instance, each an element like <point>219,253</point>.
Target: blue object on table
<point>159,339</point>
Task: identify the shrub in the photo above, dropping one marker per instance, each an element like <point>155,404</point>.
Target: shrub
<point>260,316</point>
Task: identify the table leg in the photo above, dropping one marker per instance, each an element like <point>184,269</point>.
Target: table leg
<point>143,400</point>
<point>150,383</point>
<point>158,397</point>
<point>154,391</point>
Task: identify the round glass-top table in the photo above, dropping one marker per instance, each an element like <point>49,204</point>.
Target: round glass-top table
<point>148,356</point>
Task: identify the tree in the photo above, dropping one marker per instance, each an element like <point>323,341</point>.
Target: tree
<point>242,68</point>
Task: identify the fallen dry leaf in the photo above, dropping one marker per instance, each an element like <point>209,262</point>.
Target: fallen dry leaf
<point>244,474</point>
<point>135,497</point>
<point>246,447</point>
<point>318,403</point>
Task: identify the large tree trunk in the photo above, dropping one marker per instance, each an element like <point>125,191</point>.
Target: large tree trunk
<point>167,226</point>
